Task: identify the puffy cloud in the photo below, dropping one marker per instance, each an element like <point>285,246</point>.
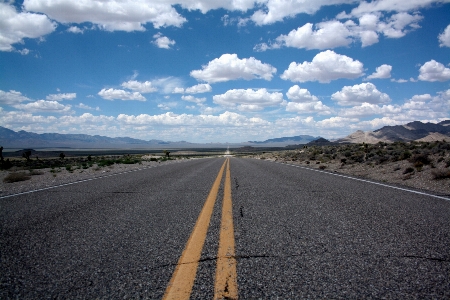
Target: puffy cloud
<point>206,5</point>
<point>60,97</point>
<point>308,108</point>
<point>360,93</point>
<point>24,51</point>
<point>368,109</point>
<point>193,99</point>
<point>444,38</point>
<point>87,107</point>
<point>296,94</point>
<point>401,80</point>
<point>75,29</point>
<point>434,71</point>
<point>167,105</point>
<point>111,94</point>
<point>196,89</point>
<point>392,5</point>
<point>383,71</point>
<point>325,67</point>
<point>399,24</point>
<point>249,99</point>
<point>12,97</point>
<point>162,41</point>
<point>303,102</point>
<point>199,88</point>
<point>14,26</point>
<point>230,67</point>
<point>229,119</point>
<point>111,15</point>
<point>141,87</point>
<point>276,10</point>
<point>330,34</point>
<point>335,122</point>
<point>44,106</point>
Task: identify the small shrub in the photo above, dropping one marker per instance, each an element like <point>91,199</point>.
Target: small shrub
<point>422,158</point>
<point>16,176</point>
<point>405,155</point>
<point>408,170</point>
<point>322,167</point>
<point>418,165</point>
<point>440,174</point>
<point>36,172</point>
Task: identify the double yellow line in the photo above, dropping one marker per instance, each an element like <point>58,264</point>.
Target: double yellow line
<point>180,286</point>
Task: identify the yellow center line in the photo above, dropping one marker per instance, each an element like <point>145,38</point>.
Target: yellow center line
<point>226,276</point>
<point>180,286</point>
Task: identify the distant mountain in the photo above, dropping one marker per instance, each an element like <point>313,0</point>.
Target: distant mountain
<point>284,141</point>
<point>24,139</point>
<point>414,131</point>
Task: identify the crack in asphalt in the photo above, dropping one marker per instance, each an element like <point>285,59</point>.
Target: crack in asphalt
<point>237,257</point>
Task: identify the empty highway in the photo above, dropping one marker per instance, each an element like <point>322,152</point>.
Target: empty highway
<point>225,228</point>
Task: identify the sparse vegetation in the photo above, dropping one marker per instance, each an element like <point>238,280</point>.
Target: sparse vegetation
<point>440,174</point>
<point>16,176</point>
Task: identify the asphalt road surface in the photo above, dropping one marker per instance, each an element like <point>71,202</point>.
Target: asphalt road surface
<point>292,233</point>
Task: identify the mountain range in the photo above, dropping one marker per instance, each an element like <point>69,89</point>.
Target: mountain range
<point>414,131</point>
<point>24,139</point>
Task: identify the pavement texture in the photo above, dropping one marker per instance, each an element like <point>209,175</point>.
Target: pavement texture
<point>298,234</point>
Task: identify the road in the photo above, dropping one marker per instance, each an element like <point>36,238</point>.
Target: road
<point>295,233</point>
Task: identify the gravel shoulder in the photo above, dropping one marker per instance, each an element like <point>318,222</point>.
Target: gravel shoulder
<point>388,173</point>
<point>45,178</point>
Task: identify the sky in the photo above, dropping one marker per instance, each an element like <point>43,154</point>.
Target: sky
<point>222,70</point>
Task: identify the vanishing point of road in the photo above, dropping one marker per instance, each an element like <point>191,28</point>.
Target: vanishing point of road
<point>225,228</point>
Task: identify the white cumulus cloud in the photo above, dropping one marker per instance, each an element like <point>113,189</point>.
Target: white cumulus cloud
<point>325,67</point>
<point>330,34</point>
<point>304,103</point>
<point>297,94</point>
<point>12,97</point>
<point>275,10</point>
<point>360,93</point>
<point>444,38</point>
<point>112,94</point>
<point>434,71</point>
<point>75,29</point>
<point>392,5</point>
<point>15,26</point>
<point>163,41</point>
<point>230,67</point>
<point>44,106</point>
<point>141,87</point>
<point>193,99</point>
<point>111,15</point>
<point>383,71</point>
<point>62,96</point>
<point>199,88</point>
<point>248,99</point>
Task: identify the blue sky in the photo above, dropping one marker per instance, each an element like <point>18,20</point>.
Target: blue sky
<point>222,70</point>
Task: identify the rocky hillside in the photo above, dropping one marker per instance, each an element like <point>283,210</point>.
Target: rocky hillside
<point>414,131</point>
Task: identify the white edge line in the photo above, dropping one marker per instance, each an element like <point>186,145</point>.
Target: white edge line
<point>364,180</point>
<point>75,182</point>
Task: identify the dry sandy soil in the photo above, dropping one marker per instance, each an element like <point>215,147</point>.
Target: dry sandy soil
<point>387,173</point>
<point>45,178</point>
